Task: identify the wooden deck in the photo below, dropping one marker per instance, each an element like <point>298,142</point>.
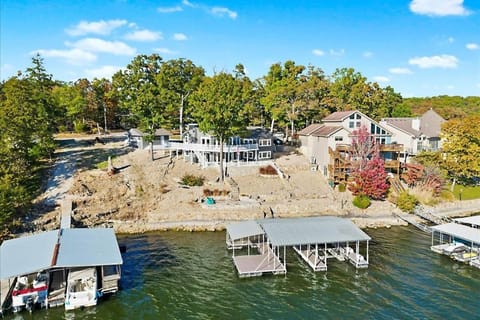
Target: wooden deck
<point>5,286</point>
<point>316,261</point>
<point>256,265</point>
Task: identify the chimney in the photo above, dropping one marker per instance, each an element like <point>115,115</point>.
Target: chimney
<point>416,124</point>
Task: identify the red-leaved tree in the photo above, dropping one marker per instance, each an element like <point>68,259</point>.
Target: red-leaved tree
<point>368,172</point>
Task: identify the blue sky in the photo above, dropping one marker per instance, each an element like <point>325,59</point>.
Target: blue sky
<point>419,47</point>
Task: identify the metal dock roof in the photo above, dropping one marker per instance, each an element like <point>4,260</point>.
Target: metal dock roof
<point>77,248</point>
<point>473,220</point>
<point>459,231</point>
<point>299,231</point>
<point>27,254</point>
<point>244,229</point>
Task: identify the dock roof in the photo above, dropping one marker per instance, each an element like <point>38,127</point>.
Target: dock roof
<point>299,231</point>
<point>76,248</point>
<point>27,254</point>
<point>459,231</point>
<point>473,220</point>
<point>244,229</point>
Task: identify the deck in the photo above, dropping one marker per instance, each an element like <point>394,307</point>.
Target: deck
<point>256,265</point>
<point>315,261</point>
<point>5,287</point>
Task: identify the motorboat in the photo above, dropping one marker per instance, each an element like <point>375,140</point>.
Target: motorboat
<point>81,288</point>
<point>30,291</point>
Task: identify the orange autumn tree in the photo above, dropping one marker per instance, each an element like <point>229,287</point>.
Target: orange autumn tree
<point>368,172</point>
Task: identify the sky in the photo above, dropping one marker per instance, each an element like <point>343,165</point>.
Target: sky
<point>421,48</point>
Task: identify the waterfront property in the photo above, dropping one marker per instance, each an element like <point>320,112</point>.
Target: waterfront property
<point>137,138</point>
<point>260,246</point>
<point>457,241</point>
<point>35,270</point>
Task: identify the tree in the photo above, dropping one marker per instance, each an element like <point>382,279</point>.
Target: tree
<point>138,94</point>
<point>461,147</point>
<point>369,176</point>
<point>219,108</point>
<point>178,79</point>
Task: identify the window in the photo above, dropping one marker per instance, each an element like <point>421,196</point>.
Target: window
<point>248,141</point>
<point>372,128</point>
<point>358,116</point>
<point>351,124</point>
<point>264,155</point>
<point>352,116</point>
<point>359,124</point>
<point>264,142</point>
<point>338,138</point>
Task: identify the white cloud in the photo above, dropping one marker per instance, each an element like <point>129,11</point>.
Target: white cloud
<point>337,53</point>
<point>318,52</point>
<point>450,87</point>
<point>451,39</point>
<point>96,27</point>
<point>444,61</point>
<point>381,79</point>
<point>472,46</point>
<point>188,4</point>
<point>439,7</point>
<point>165,51</point>
<point>102,72</point>
<point>179,37</point>
<point>99,45</point>
<point>221,11</point>
<point>367,54</point>
<point>169,9</point>
<point>73,56</point>
<point>144,35</point>
<point>400,71</point>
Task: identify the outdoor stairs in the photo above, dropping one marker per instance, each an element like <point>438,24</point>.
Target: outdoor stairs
<point>234,189</point>
<point>396,185</point>
<point>200,157</point>
<point>429,216</point>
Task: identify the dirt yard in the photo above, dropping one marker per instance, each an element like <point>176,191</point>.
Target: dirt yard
<point>147,195</point>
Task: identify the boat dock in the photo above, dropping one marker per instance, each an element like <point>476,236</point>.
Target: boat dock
<point>314,239</point>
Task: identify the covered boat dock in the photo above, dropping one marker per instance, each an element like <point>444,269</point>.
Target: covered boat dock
<point>473,221</point>
<point>458,241</point>
<point>56,252</point>
<point>314,239</point>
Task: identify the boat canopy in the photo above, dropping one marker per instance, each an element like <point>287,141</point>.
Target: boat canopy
<point>327,229</point>
<point>244,229</point>
<point>59,248</point>
<point>473,220</point>
<point>459,231</point>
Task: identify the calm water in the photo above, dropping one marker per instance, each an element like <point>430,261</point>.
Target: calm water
<point>177,275</point>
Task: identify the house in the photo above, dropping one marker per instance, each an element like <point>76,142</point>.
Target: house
<point>136,138</point>
<point>327,144</point>
<point>416,134</point>
<point>199,147</point>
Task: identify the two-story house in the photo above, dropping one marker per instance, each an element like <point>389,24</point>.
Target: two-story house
<point>328,144</point>
<point>200,147</point>
<point>416,134</point>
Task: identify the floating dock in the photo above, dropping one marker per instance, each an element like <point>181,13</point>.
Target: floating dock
<point>314,239</point>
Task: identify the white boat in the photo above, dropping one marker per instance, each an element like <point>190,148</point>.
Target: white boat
<point>454,248</point>
<point>81,288</point>
<point>30,291</point>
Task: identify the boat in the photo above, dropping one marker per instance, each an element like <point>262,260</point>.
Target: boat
<point>81,288</point>
<point>30,291</point>
<point>455,248</point>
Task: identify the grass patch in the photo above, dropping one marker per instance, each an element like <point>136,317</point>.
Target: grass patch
<point>468,192</point>
<point>192,180</point>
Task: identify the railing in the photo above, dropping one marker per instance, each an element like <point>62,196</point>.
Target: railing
<point>213,148</point>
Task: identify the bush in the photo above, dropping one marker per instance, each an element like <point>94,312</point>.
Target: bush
<point>80,127</point>
<point>192,180</point>
<point>268,170</point>
<point>342,187</point>
<point>362,202</point>
<point>406,202</point>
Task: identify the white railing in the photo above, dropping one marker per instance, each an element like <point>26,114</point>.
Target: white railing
<point>212,148</point>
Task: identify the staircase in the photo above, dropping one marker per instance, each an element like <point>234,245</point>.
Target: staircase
<point>396,185</point>
<point>234,189</point>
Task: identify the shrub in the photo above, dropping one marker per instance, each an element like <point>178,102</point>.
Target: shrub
<point>192,180</point>
<point>80,127</point>
<point>342,187</point>
<point>268,170</point>
<point>361,202</point>
<point>406,202</point>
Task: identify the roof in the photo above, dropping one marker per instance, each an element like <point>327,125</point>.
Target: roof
<point>403,124</point>
<point>338,115</point>
<point>244,229</point>
<point>88,247</point>
<point>431,123</point>
<point>473,220</point>
<point>299,231</point>
<point>27,254</point>
<point>320,130</point>
<point>159,132</point>
<point>459,231</point>
<point>77,248</point>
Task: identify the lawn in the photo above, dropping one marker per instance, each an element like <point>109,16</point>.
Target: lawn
<point>467,192</point>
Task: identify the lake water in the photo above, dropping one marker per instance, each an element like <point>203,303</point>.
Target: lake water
<point>180,275</point>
